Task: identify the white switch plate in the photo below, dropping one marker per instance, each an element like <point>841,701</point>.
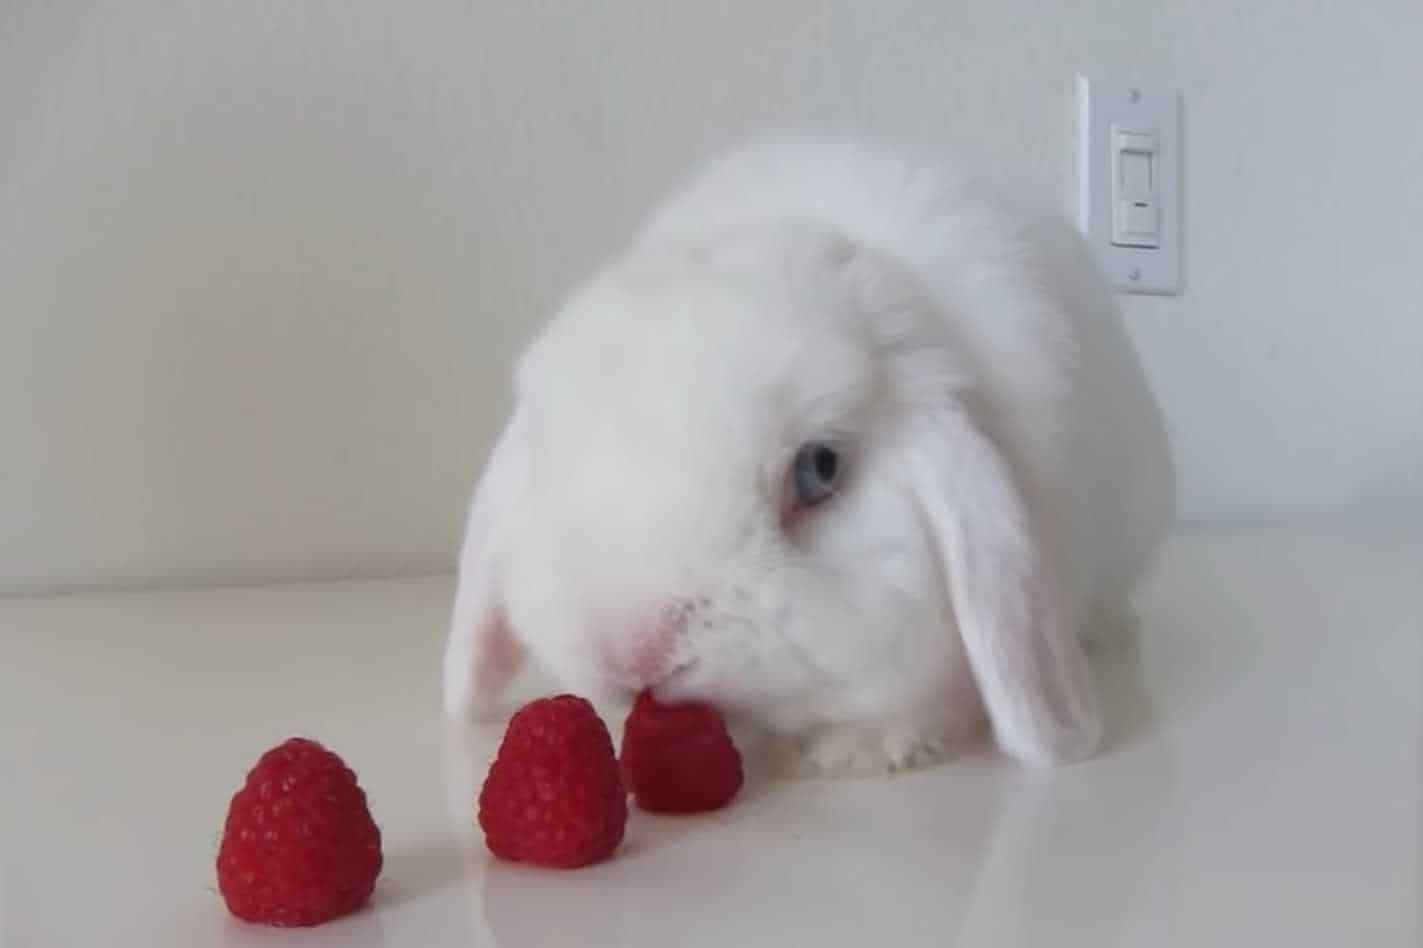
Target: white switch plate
<point>1100,106</point>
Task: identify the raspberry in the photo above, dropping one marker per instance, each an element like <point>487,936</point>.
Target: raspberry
<point>679,758</point>
<point>299,846</point>
<point>554,796</point>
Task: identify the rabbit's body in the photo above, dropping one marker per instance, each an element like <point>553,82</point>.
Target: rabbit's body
<point>656,515</point>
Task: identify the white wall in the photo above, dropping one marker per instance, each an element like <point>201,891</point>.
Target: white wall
<point>263,264</point>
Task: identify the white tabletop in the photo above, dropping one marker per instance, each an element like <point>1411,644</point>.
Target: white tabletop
<point>1264,787</point>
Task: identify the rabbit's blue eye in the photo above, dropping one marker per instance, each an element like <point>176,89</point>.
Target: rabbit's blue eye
<point>815,473</point>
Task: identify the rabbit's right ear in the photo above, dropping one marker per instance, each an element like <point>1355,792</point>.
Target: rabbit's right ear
<point>1030,668</point>
<point>481,653</point>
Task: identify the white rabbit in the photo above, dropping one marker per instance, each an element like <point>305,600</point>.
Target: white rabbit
<point>839,445</point>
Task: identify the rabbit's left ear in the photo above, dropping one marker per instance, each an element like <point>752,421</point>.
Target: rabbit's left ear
<point>1026,656</point>
<point>481,653</point>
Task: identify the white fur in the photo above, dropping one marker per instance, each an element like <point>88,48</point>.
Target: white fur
<point>1007,479</point>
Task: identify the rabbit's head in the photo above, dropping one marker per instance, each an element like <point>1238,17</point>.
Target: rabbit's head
<point>748,472</point>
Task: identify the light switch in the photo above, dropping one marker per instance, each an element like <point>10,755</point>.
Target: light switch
<point>1129,153</point>
<point>1136,202</point>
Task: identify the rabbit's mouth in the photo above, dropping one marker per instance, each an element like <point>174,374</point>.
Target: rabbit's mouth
<point>678,683</point>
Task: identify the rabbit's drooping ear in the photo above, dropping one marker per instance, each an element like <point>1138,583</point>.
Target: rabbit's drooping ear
<point>1025,655</point>
<point>481,654</point>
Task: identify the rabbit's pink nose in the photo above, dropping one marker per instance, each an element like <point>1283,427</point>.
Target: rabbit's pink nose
<point>651,651</point>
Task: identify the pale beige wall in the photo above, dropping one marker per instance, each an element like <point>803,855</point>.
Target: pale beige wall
<point>263,264</point>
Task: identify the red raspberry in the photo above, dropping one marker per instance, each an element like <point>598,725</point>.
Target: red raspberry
<point>299,847</point>
<point>679,758</point>
<point>554,796</point>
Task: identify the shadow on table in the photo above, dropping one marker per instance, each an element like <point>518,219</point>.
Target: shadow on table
<point>417,871</point>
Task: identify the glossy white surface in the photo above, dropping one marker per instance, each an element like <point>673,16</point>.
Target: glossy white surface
<point>1264,788</point>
